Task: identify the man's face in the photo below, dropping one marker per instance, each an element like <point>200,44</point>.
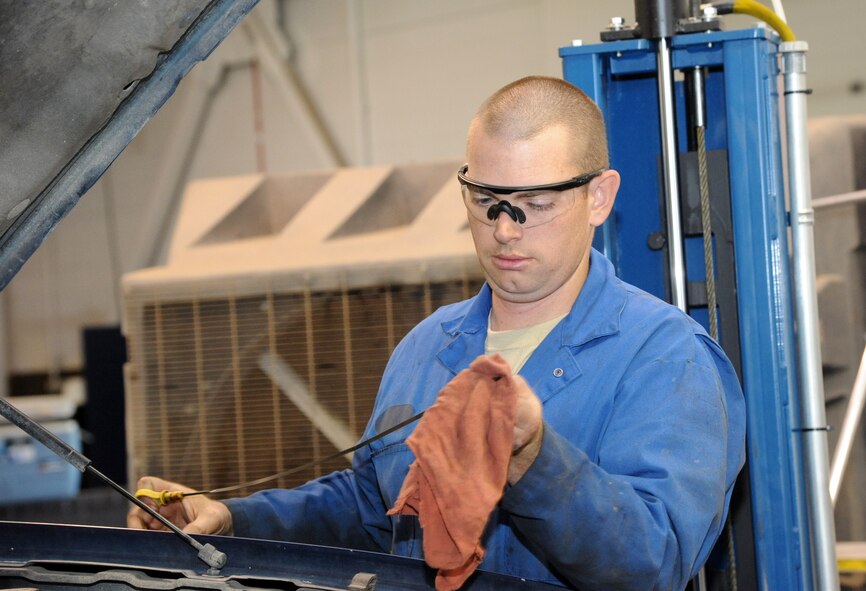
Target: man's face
<point>541,263</point>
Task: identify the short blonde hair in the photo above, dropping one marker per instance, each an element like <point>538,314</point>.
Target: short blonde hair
<point>524,108</point>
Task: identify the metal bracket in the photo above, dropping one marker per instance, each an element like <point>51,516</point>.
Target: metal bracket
<point>363,582</point>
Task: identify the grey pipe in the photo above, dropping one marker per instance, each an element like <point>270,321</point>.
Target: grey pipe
<point>676,259</point>
<point>814,419</point>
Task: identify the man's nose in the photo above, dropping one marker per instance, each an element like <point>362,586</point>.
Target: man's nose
<point>505,229</point>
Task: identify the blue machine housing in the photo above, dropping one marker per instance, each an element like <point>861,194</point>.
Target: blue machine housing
<point>742,106</point>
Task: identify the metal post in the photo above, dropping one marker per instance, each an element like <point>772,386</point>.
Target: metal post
<point>676,259</point>
<point>806,310</point>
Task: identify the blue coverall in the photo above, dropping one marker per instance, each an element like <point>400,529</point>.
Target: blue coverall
<point>644,434</point>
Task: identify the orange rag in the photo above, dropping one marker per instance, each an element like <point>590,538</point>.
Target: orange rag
<point>462,447</point>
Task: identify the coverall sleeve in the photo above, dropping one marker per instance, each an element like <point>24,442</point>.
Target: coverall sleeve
<point>341,509</point>
<point>645,513</point>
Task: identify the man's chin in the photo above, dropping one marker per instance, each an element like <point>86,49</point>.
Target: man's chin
<point>513,293</point>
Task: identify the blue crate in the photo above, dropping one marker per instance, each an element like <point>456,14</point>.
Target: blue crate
<point>31,472</point>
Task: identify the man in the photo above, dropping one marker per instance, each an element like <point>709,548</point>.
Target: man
<point>630,423</point>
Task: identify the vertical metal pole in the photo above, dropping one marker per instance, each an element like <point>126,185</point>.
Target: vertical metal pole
<point>676,259</point>
<point>806,310</point>
<point>360,87</point>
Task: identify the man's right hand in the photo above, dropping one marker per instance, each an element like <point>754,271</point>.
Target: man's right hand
<point>194,515</point>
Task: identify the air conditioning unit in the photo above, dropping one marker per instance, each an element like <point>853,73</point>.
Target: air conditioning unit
<point>260,344</point>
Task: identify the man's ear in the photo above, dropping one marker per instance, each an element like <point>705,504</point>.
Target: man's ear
<point>602,192</point>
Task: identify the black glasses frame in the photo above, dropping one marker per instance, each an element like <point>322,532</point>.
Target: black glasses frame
<point>571,183</point>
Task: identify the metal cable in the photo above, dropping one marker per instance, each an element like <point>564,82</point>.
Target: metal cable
<point>311,463</point>
<point>706,225</point>
<point>732,557</point>
<point>709,266</point>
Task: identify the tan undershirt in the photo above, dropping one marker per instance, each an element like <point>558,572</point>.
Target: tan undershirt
<point>517,345</point>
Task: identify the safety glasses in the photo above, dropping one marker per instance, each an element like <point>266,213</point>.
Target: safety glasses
<point>530,206</point>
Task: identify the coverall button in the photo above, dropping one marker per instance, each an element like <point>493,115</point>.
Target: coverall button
<point>558,372</point>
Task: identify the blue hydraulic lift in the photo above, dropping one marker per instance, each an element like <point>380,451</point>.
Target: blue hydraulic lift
<point>655,84</point>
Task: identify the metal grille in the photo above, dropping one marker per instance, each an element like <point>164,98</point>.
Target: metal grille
<point>229,388</point>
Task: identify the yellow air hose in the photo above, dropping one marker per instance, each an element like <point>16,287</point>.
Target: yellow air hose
<point>760,11</point>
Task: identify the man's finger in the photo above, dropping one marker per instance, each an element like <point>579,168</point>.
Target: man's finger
<point>212,518</point>
<point>139,519</point>
<point>134,519</point>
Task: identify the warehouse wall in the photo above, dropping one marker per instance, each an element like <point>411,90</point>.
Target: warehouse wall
<point>306,84</point>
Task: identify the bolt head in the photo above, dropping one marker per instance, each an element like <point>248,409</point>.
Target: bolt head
<point>709,12</point>
<point>616,23</point>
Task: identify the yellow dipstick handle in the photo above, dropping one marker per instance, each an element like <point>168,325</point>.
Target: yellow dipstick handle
<point>161,498</point>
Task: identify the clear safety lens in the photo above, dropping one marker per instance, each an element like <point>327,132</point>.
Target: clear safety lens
<point>539,207</point>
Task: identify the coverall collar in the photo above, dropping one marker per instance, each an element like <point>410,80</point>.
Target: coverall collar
<point>596,313</point>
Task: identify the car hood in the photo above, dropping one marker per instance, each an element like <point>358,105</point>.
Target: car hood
<point>80,79</point>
